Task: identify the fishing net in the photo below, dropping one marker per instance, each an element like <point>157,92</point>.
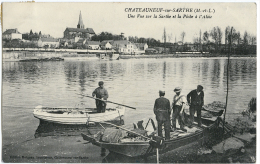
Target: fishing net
<point>113,135</point>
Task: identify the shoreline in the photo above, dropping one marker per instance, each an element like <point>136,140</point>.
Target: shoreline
<point>12,56</point>
<point>186,55</point>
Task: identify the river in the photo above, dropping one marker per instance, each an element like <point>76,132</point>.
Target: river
<point>133,82</point>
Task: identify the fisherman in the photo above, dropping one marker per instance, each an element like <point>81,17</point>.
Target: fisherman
<point>162,110</point>
<point>100,93</point>
<point>196,101</point>
<point>177,107</point>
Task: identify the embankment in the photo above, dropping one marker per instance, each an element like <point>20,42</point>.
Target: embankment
<point>186,55</point>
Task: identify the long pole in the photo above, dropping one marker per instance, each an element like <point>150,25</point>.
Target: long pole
<point>110,102</point>
<point>157,155</point>
<point>230,44</point>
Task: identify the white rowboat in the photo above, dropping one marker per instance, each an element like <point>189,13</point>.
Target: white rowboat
<point>76,116</point>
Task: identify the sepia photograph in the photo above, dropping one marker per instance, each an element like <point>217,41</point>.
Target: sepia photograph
<point>129,82</point>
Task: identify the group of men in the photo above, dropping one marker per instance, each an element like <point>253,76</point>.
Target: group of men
<point>162,110</point>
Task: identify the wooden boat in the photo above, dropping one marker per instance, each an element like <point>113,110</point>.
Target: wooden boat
<point>76,116</point>
<point>143,148</point>
<point>216,108</point>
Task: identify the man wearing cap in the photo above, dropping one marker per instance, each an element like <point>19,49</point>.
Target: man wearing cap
<point>162,110</point>
<point>102,94</point>
<point>177,106</point>
<point>196,101</point>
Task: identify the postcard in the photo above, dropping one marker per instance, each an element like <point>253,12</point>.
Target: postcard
<point>129,82</point>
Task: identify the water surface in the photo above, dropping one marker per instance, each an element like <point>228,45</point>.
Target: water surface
<point>134,82</point>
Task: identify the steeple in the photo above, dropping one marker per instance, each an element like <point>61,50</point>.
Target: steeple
<point>80,23</point>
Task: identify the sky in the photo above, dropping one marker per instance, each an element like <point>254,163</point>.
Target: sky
<point>53,18</point>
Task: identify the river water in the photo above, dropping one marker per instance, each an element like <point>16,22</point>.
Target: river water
<point>133,82</point>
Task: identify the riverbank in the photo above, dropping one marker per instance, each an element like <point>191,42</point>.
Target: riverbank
<point>41,55</point>
<point>184,55</point>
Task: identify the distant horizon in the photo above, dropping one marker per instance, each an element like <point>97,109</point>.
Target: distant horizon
<point>113,18</point>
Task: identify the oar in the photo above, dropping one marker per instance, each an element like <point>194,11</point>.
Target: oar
<point>128,130</point>
<point>109,102</point>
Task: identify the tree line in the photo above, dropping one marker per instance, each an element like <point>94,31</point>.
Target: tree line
<point>151,42</point>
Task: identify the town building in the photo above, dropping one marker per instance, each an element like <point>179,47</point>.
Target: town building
<point>106,44</point>
<point>80,31</point>
<point>49,42</point>
<point>93,45</point>
<point>80,43</point>
<point>124,47</point>
<point>11,34</point>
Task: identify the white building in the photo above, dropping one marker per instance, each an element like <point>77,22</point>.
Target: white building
<point>11,34</point>
<point>51,42</point>
<point>125,47</point>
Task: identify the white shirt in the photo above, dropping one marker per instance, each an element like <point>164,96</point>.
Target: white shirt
<point>180,101</point>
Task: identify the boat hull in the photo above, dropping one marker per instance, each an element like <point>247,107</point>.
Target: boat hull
<point>143,149</point>
<point>89,116</point>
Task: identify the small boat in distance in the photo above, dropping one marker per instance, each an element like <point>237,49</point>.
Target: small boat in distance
<point>77,116</point>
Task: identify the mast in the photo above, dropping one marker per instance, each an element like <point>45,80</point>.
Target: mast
<point>164,39</point>
<point>230,45</point>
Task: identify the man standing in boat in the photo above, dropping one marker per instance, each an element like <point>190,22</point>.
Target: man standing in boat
<point>177,107</point>
<point>162,110</point>
<point>196,101</point>
<point>100,93</point>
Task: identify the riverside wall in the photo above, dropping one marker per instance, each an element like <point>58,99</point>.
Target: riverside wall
<point>17,54</point>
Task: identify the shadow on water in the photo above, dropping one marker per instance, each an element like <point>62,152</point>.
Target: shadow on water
<point>46,128</point>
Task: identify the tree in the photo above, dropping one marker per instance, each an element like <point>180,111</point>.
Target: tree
<point>164,35</point>
<point>169,37</point>
<point>216,35</point>
<point>219,34</point>
<point>246,38</point>
<point>122,35</point>
<point>237,36</point>
<point>182,36</point>
<point>206,37</point>
<point>31,33</point>
<point>251,39</point>
<point>164,39</point>
<point>195,40</point>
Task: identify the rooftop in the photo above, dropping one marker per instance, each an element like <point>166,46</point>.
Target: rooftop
<point>92,43</point>
<point>11,31</point>
<point>87,30</point>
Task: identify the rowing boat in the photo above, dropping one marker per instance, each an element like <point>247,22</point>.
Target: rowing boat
<point>76,116</point>
<point>141,147</point>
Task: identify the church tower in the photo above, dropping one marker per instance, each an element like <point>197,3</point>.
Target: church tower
<point>80,23</point>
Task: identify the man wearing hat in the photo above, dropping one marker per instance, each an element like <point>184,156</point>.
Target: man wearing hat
<point>102,94</point>
<point>196,101</point>
<point>177,106</point>
<point>162,110</point>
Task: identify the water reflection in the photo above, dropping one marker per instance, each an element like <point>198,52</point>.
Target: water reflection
<point>46,128</point>
<point>52,129</point>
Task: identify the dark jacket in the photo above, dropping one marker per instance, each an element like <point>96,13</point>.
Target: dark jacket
<point>100,93</point>
<point>162,109</point>
<point>194,99</point>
